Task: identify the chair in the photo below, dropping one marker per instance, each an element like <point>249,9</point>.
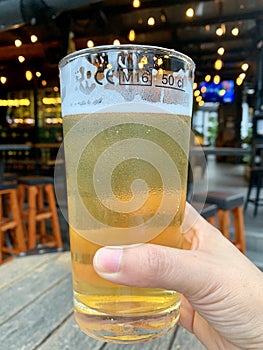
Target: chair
<point>228,203</point>
<point>12,239</point>
<point>207,211</point>
<point>255,181</point>
<point>38,203</point>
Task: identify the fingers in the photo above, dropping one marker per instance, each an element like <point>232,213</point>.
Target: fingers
<point>150,265</point>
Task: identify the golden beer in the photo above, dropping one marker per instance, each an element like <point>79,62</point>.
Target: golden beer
<point>151,208</point>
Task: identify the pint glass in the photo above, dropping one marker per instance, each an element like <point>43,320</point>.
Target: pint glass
<point>126,122</point>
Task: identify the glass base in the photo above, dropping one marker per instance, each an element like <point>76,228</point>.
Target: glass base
<point>128,329</point>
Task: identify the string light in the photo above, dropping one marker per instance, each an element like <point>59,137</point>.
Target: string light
<point>221,51</point>
<point>44,83</point>
<point>245,67</point>
<point>239,81</point>
<point>18,43</point>
<point>21,59</point>
<point>218,64</point>
<point>235,31</point>
<point>90,43</point>
<point>219,31</point>
<point>33,38</point>
<point>136,3</point>
<point>38,74</point>
<point>3,80</point>
<point>217,79</point>
<point>207,78</point>
<point>199,98</point>
<point>190,12</point>
<point>195,86</point>
<point>201,103</point>
<point>242,76</point>
<point>196,93</point>
<point>28,75</point>
<point>151,21</point>
<point>116,42</point>
<point>131,35</point>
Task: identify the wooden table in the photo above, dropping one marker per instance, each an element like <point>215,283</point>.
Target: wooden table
<point>36,310</point>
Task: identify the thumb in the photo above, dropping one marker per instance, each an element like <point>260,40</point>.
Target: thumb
<point>150,265</point>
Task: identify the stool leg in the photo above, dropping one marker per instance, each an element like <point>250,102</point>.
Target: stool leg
<point>19,232</point>
<point>40,207</point>
<point>32,211</point>
<point>212,220</point>
<point>258,185</point>
<point>224,220</point>
<point>239,229</point>
<point>54,219</point>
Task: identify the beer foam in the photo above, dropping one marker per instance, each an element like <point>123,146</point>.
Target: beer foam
<point>87,89</point>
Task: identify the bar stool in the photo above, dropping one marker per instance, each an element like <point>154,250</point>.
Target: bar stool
<point>228,203</point>
<point>10,222</point>
<point>255,181</point>
<point>207,211</point>
<point>38,203</point>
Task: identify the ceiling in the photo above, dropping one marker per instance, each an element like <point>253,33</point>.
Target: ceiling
<point>104,21</point>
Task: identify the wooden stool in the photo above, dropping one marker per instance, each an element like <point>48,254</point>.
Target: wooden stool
<point>228,203</point>
<point>207,211</point>
<point>33,191</point>
<point>10,221</point>
<point>255,181</point>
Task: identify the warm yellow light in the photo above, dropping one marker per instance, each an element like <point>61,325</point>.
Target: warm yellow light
<point>222,92</point>
<point>55,89</point>
<point>38,74</point>
<point>217,79</point>
<point>198,98</point>
<point>116,42</point>
<point>90,43</point>
<point>235,31</point>
<point>151,21</point>
<point>18,43</point>
<point>203,89</point>
<point>221,51</point>
<point>190,12</point>
<point>44,83</point>
<point>21,59</point>
<point>51,100</point>
<point>195,86</point>
<point>159,61</point>
<point>201,103</point>
<point>219,31</point>
<point>132,35</point>
<point>239,81</point>
<point>218,64</point>
<point>207,27</point>
<point>197,93</point>
<point>136,3</point>
<point>242,76</point>
<point>207,78</point>
<point>28,75</point>
<point>3,80</point>
<point>15,103</point>
<point>33,38</point>
<point>245,67</point>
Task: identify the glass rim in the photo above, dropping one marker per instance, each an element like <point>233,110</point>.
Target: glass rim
<point>122,47</point>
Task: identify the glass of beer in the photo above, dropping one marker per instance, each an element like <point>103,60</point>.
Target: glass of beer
<point>126,122</point>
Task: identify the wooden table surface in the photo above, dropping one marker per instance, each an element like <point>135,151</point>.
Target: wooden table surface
<point>36,310</point>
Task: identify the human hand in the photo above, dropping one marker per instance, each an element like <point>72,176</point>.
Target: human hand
<point>222,303</point>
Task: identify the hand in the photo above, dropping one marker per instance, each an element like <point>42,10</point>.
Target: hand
<point>223,290</point>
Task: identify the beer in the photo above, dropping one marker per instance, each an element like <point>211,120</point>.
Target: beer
<point>126,181</point>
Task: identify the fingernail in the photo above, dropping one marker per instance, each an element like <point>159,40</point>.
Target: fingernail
<point>108,260</point>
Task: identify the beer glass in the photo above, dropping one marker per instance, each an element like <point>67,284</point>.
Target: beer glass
<point>126,122</point>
